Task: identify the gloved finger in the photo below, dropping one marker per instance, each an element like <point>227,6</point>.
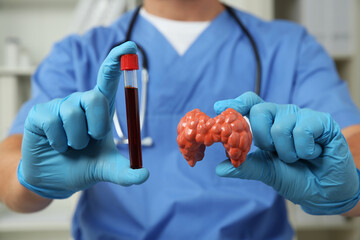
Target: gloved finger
<point>109,73</point>
<point>74,122</point>
<point>310,126</point>
<point>241,104</point>
<point>258,165</point>
<point>96,110</point>
<point>282,135</point>
<point>262,117</point>
<point>44,120</point>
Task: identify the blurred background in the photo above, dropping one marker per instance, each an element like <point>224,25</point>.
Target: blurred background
<point>28,29</point>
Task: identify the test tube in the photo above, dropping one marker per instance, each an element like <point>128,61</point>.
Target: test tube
<point>129,66</point>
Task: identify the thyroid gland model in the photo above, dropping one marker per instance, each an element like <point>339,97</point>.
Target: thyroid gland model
<point>196,131</point>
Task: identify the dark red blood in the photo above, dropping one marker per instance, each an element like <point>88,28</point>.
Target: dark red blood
<point>133,124</point>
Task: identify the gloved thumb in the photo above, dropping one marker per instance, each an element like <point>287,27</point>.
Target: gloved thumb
<point>241,104</point>
<point>131,176</point>
<point>258,165</point>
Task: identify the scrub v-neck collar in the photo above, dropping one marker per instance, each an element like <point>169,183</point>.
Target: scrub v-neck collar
<point>165,64</point>
<point>218,30</point>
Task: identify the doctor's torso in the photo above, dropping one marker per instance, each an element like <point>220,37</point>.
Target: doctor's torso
<point>177,201</point>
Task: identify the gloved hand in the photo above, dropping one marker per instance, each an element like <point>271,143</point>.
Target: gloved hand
<point>301,154</point>
<point>68,144</point>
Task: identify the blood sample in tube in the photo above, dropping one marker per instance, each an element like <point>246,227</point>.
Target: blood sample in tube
<point>129,66</point>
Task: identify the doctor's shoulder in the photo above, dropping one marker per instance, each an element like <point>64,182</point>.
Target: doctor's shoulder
<point>84,53</point>
<point>273,32</point>
<point>286,41</point>
<point>73,62</point>
<point>94,44</point>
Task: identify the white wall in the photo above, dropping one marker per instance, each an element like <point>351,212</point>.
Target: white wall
<point>37,24</point>
<point>261,8</point>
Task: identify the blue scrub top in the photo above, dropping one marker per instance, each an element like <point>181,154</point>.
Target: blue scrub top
<point>179,202</point>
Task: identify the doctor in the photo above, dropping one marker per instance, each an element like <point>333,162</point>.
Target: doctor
<point>62,139</point>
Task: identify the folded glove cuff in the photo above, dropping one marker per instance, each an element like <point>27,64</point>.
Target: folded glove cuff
<point>335,208</point>
<point>46,193</point>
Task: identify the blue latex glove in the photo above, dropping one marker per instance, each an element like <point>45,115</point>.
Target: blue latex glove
<point>68,144</point>
<point>302,155</point>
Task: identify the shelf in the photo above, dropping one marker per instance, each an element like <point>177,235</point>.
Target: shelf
<point>37,5</point>
<point>7,71</point>
<point>27,2</point>
<point>343,57</point>
<point>330,227</point>
<point>34,222</point>
<point>56,217</point>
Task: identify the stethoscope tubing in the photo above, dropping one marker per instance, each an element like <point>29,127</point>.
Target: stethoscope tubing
<point>147,141</point>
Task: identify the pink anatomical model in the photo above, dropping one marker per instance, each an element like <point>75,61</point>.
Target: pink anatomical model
<point>197,130</point>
